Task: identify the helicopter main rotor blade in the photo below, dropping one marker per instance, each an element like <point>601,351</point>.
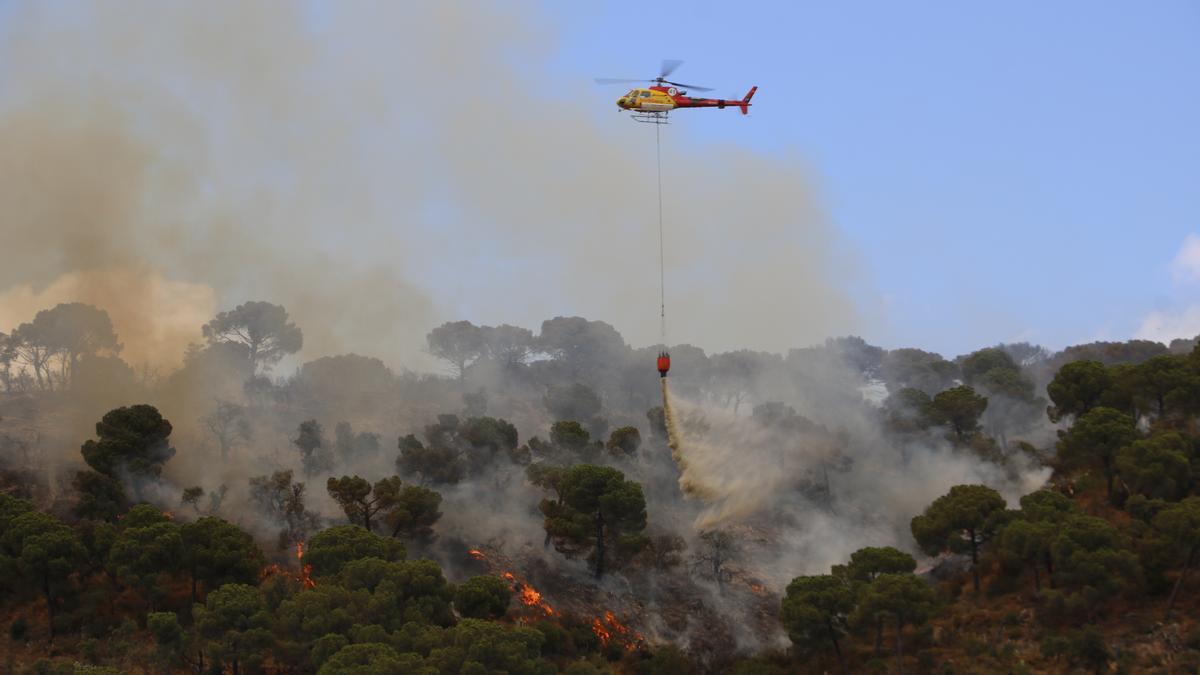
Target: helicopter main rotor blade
<point>668,67</point>
<point>614,80</point>
<point>689,86</point>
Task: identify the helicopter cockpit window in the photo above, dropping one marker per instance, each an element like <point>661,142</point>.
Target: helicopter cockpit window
<point>645,94</point>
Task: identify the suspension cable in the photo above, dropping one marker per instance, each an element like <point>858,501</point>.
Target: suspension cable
<point>662,287</point>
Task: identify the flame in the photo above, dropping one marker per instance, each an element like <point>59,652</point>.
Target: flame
<point>531,598</point>
<point>526,593</point>
<point>601,632</point>
<point>758,588</point>
<point>270,571</point>
<point>610,628</point>
<point>304,576</point>
<point>305,570</point>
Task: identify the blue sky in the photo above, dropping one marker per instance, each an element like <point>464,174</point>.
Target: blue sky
<point>1016,171</point>
<point>1003,172</point>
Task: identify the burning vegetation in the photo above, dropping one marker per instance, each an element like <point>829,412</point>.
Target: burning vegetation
<point>551,519</point>
<point>607,628</point>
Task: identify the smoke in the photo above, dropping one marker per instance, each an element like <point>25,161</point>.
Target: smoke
<point>379,169</point>
<point>157,317</point>
<point>826,487</point>
<point>376,169</point>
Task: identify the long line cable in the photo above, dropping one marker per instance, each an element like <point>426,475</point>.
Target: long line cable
<point>662,286</point>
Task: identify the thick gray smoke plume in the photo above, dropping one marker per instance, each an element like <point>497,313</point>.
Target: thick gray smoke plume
<point>372,169</point>
<point>378,169</point>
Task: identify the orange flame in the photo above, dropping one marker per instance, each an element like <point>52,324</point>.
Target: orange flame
<point>526,593</point>
<point>610,628</point>
<point>601,632</point>
<point>304,576</point>
<point>305,570</point>
<point>531,598</point>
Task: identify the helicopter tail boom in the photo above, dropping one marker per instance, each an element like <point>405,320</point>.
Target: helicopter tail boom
<point>745,103</point>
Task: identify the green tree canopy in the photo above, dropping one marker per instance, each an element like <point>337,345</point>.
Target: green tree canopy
<point>373,658</point>
<point>486,439</point>
<point>328,609</point>
<point>329,550</point>
<point>917,369</point>
<point>488,647</point>
<point>571,438</point>
<point>905,599</point>
<point>1077,387</point>
<point>960,408</point>
<point>350,446</point>
<point>359,499</point>
<point>1094,559</point>
<point>508,345</point>
<point>1047,505</point>
<point>46,552</point>
<point>575,402</point>
<point>1181,525</point>
<point>458,343</point>
<point>130,440</point>
<point>482,597</point>
<point>147,546</point>
<point>1157,467</point>
<point>976,364</point>
<point>815,612</point>
<point>264,329</point>
<point>961,520</point>
<point>216,552</point>
<point>401,591</point>
<point>236,626</point>
<point>599,507</point>
<point>436,464</point>
<point>1093,441</point>
<point>100,496</point>
<point>909,409</point>
<point>1029,536</point>
<point>315,453</point>
<point>624,442</point>
<point>412,512</point>
<point>869,562</point>
<point>1158,378</point>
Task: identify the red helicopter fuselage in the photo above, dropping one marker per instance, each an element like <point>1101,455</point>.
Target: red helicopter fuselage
<point>662,98</point>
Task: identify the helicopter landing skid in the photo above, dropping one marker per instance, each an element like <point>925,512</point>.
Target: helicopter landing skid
<point>647,117</point>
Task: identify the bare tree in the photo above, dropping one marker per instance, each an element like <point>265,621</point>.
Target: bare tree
<point>228,423</point>
<point>718,548</point>
<point>192,496</point>
<point>283,500</point>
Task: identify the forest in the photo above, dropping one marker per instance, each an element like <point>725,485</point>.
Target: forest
<point>838,508</point>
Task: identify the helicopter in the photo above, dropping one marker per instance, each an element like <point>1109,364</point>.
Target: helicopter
<point>653,103</point>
